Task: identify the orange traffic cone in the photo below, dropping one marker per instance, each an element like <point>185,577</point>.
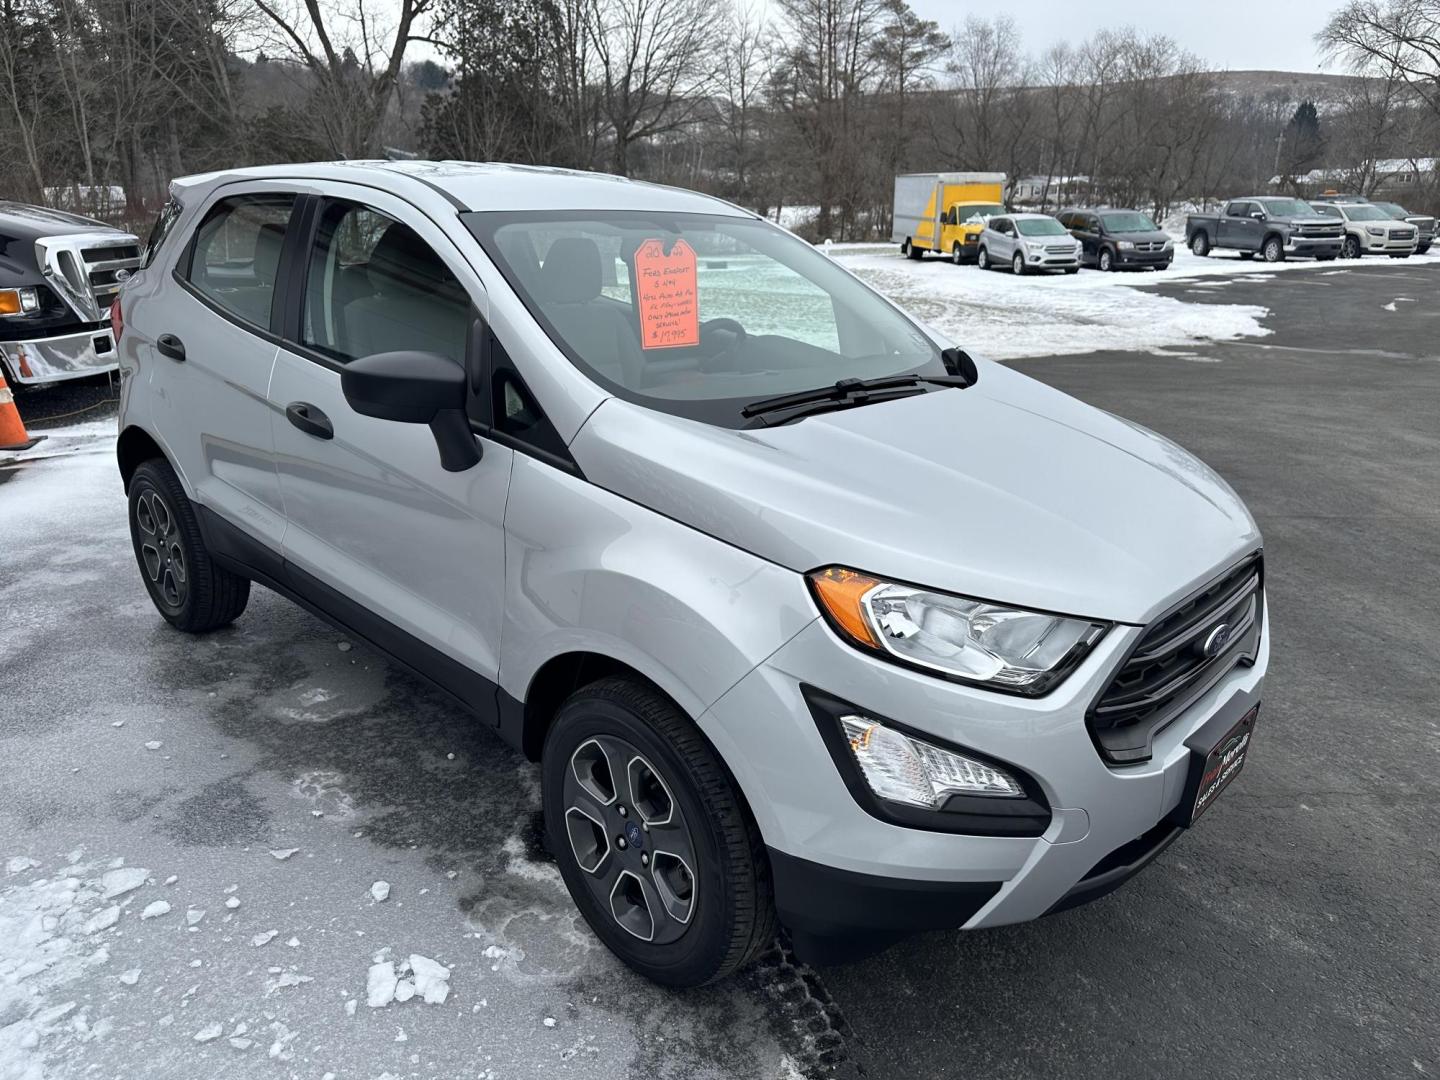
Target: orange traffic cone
<point>12,430</point>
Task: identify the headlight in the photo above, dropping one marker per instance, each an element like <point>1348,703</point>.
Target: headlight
<point>1374,231</point>
<point>1125,245</point>
<point>1035,245</point>
<point>18,301</point>
<point>974,641</point>
<point>1169,244</point>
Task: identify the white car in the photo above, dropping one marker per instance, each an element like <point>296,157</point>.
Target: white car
<point>1027,243</point>
<point>1370,230</point>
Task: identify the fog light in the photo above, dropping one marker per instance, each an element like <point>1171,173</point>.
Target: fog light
<point>916,773</point>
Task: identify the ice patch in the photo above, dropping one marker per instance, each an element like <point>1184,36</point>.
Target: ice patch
<point>263,938</point>
<point>1389,307</point>
<point>155,909</point>
<point>102,920</point>
<point>283,853</point>
<point>131,977</point>
<point>119,882</point>
<point>193,916</point>
<point>154,744</point>
<point>208,1033</point>
<point>380,891</point>
<point>232,903</point>
<point>19,864</point>
<point>380,984</point>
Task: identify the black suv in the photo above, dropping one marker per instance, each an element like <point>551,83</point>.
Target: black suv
<point>1112,238</point>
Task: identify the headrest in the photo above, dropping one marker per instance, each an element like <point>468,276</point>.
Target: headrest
<point>268,242</point>
<point>401,258</point>
<point>571,273</point>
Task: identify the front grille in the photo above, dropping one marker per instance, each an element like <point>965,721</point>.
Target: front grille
<point>1402,234</point>
<point>104,264</point>
<point>1168,669</point>
<point>1060,249</point>
<point>1150,245</point>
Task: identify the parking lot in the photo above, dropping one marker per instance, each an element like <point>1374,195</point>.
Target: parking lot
<point>1293,933</point>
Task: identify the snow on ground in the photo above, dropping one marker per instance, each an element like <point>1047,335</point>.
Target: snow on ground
<point>1004,317</point>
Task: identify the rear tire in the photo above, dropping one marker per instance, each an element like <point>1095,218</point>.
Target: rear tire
<point>910,251</point>
<point>187,588</point>
<point>681,795</point>
<point>1200,245</point>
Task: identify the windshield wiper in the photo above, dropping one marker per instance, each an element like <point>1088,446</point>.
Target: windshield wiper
<point>849,393</point>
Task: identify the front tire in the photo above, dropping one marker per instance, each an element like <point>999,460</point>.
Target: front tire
<point>1273,250</point>
<point>1351,248</point>
<point>187,588</point>
<point>654,843</point>
<point>1017,265</point>
<point>955,255</point>
<point>982,259</point>
<point>1107,260</point>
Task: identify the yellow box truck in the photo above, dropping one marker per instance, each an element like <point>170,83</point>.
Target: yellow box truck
<point>944,212</point>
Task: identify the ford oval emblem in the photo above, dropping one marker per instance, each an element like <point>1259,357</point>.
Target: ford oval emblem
<point>121,276</point>
<point>1215,641</point>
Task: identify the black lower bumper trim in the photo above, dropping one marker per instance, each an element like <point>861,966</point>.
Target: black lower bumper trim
<point>838,915</point>
<point>1119,866</point>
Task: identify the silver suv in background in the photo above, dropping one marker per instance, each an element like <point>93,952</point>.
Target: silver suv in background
<point>1027,243</point>
<point>806,614</point>
<point>1369,230</point>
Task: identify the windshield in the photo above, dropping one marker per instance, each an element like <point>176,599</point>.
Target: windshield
<point>1285,207</point>
<point>1366,213</point>
<point>1047,226</point>
<point>979,211</point>
<point>1130,221</point>
<point>697,314</point>
<point>1327,210</point>
<point>1395,210</point>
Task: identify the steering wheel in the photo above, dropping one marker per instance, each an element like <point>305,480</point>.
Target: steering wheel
<point>722,360</point>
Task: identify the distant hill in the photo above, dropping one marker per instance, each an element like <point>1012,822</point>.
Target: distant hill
<point>1292,85</point>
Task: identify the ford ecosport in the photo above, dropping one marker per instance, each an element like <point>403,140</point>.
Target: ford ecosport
<point>806,614</point>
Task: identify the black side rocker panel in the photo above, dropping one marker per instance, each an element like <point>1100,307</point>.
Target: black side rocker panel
<point>241,554</point>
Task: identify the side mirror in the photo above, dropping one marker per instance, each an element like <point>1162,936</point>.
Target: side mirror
<point>416,388</point>
<point>1258,215</point>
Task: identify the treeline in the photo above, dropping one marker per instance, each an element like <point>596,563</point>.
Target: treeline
<point>810,102</point>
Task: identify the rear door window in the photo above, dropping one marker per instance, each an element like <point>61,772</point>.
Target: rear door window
<point>235,255</point>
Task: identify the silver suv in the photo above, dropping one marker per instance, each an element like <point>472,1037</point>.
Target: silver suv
<point>804,613</point>
<point>1027,243</point>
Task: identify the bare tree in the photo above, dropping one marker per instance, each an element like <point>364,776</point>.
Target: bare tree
<point>656,61</point>
<point>354,62</point>
<point>1397,39</point>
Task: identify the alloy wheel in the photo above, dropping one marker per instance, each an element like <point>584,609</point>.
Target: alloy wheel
<point>161,552</point>
<point>630,838</point>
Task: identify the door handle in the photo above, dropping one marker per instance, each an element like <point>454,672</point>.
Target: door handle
<point>309,419</point>
<point>171,346</point>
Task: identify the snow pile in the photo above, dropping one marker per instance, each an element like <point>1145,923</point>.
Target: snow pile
<point>419,977</point>
<point>48,931</point>
<point>1003,317</point>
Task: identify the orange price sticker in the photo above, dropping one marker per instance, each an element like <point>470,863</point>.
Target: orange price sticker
<point>669,304</point>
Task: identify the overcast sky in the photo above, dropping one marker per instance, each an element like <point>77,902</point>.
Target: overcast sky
<point>1236,35</point>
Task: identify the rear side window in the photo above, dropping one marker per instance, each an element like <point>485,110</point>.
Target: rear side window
<point>1240,209</point>
<point>235,255</point>
<point>164,225</point>
<point>375,286</point>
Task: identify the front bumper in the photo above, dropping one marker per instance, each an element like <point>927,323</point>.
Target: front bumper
<point>878,879</point>
<point>55,359</point>
<point>1302,245</point>
<point>1145,258</point>
<point>1384,246</point>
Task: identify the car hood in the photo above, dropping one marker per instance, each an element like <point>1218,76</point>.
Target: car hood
<point>1316,220</point>
<point>1007,491</point>
<point>1145,236</point>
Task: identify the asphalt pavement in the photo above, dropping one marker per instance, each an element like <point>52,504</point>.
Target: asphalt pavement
<point>1293,933</point>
